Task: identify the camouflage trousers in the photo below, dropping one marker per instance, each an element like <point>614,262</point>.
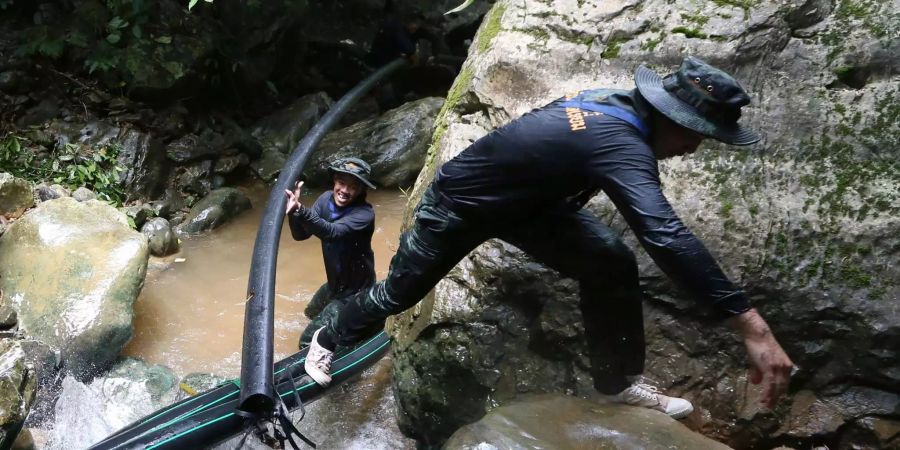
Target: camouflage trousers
<point>576,244</point>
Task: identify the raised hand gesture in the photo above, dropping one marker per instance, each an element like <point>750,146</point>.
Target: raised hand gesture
<point>293,201</point>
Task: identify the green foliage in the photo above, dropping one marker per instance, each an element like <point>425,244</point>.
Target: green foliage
<point>74,165</point>
<point>459,8</point>
<point>193,3</point>
<point>42,40</point>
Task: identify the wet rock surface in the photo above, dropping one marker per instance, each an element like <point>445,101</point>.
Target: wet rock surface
<point>214,210</point>
<point>17,389</point>
<point>88,412</point>
<point>282,131</point>
<point>15,195</point>
<point>394,144</point>
<point>161,238</point>
<point>72,270</point>
<point>555,421</point>
<point>807,221</point>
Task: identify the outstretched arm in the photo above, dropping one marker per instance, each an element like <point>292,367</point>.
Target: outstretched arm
<point>770,365</point>
<point>632,183</point>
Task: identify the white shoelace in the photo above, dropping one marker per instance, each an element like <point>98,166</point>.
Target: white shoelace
<point>321,358</point>
<point>645,391</point>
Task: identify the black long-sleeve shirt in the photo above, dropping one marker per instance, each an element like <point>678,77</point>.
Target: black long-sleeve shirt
<point>554,157</point>
<point>346,235</point>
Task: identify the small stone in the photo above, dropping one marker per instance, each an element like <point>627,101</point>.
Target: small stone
<point>84,194</point>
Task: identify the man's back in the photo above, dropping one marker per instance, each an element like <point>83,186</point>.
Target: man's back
<point>546,159</point>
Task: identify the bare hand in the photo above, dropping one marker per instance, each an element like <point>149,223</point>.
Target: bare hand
<point>293,201</point>
<point>770,365</point>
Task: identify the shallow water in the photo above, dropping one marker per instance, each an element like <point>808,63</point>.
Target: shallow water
<point>190,315</point>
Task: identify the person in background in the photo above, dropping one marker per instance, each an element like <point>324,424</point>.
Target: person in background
<point>344,222</point>
<point>398,37</point>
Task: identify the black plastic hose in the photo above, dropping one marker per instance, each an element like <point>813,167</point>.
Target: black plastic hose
<point>257,386</point>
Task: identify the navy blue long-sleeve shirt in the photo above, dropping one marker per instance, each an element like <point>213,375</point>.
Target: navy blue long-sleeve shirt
<point>556,156</point>
<point>346,235</point>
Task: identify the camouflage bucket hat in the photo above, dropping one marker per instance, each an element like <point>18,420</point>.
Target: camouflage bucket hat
<point>699,97</point>
<point>353,166</point>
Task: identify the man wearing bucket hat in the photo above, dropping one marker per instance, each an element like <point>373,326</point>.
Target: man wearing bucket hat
<point>344,222</point>
<point>526,183</point>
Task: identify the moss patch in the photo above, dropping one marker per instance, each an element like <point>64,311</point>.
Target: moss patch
<point>698,19</point>
<point>454,95</point>
<point>490,28</point>
<point>746,5</point>
<point>650,44</point>
<point>613,47</point>
<point>691,33</point>
<point>875,16</point>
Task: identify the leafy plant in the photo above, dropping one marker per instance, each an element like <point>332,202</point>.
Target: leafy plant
<point>459,8</point>
<point>193,3</point>
<point>74,165</point>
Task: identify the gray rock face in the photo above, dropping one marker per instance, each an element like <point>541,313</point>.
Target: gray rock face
<point>214,210</point>
<point>160,236</point>
<point>72,271</point>
<point>145,164</point>
<point>282,130</point>
<point>556,421</point>
<point>131,390</point>
<point>194,178</point>
<point>15,195</point>
<point>228,164</point>
<point>394,144</point>
<point>269,165</point>
<point>190,147</point>
<point>17,389</point>
<point>807,221</point>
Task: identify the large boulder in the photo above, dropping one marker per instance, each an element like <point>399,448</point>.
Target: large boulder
<point>17,389</point>
<point>220,206</point>
<point>282,130</point>
<point>269,165</point>
<point>72,272</point>
<point>394,144</point>
<point>557,421</point>
<point>807,220</point>
<point>15,195</point>
<point>132,389</point>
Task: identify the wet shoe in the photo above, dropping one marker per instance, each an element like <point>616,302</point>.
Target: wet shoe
<point>647,396</point>
<point>318,361</point>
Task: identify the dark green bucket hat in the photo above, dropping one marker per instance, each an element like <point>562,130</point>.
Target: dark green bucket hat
<point>699,97</point>
<point>353,166</point>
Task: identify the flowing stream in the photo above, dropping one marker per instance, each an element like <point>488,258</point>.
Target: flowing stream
<point>190,315</point>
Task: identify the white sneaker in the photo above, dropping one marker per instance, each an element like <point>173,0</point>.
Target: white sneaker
<point>647,396</point>
<point>318,361</point>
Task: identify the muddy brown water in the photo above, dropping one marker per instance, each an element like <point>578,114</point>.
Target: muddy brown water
<point>190,314</point>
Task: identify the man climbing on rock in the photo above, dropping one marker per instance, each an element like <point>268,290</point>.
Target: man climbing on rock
<point>344,222</point>
<point>527,182</point>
